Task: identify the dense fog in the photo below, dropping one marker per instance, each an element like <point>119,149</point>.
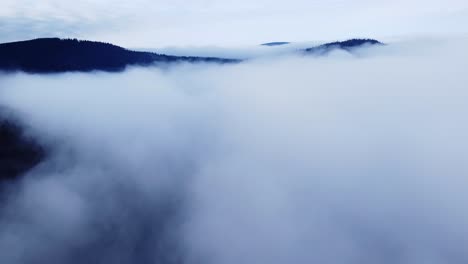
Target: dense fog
<point>346,158</point>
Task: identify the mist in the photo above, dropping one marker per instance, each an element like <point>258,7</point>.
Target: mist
<point>237,52</point>
<point>347,158</point>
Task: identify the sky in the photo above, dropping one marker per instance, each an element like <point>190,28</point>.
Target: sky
<point>162,23</point>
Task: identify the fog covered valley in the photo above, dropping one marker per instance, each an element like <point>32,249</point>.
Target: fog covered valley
<point>348,157</point>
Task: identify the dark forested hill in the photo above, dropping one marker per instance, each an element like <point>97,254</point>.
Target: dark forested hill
<point>50,55</point>
<point>346,45</point>
<point>18,153</point>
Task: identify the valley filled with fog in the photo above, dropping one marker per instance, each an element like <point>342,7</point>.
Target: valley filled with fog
<point>355,157</point>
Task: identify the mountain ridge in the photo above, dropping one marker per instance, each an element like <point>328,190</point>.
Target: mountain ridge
<point>53,55</point>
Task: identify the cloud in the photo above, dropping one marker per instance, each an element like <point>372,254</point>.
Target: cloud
<point>237,52</point>
<point>340,159</point>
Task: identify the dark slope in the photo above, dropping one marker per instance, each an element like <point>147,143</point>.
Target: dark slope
<point>347,45</point>
<point>53,55</point>
<point>18,154</point>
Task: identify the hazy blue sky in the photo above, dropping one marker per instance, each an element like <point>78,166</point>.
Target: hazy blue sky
<point>146,23</point>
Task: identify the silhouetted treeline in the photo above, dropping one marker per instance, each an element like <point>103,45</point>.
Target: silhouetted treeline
<point>63,55</point>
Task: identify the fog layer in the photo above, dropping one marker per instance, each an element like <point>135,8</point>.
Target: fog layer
<point>342,159</point>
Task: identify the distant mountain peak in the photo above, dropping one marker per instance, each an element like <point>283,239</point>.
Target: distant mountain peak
<point>278,43</point>
<point>347,45</point>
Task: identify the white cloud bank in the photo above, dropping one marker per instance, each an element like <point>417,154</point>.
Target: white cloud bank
<point>339,159</point>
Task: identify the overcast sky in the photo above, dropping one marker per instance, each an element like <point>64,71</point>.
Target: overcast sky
<point>159,23</point>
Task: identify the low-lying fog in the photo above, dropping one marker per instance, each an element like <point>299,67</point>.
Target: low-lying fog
<point>237,52</point>
<point>339,159</point>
